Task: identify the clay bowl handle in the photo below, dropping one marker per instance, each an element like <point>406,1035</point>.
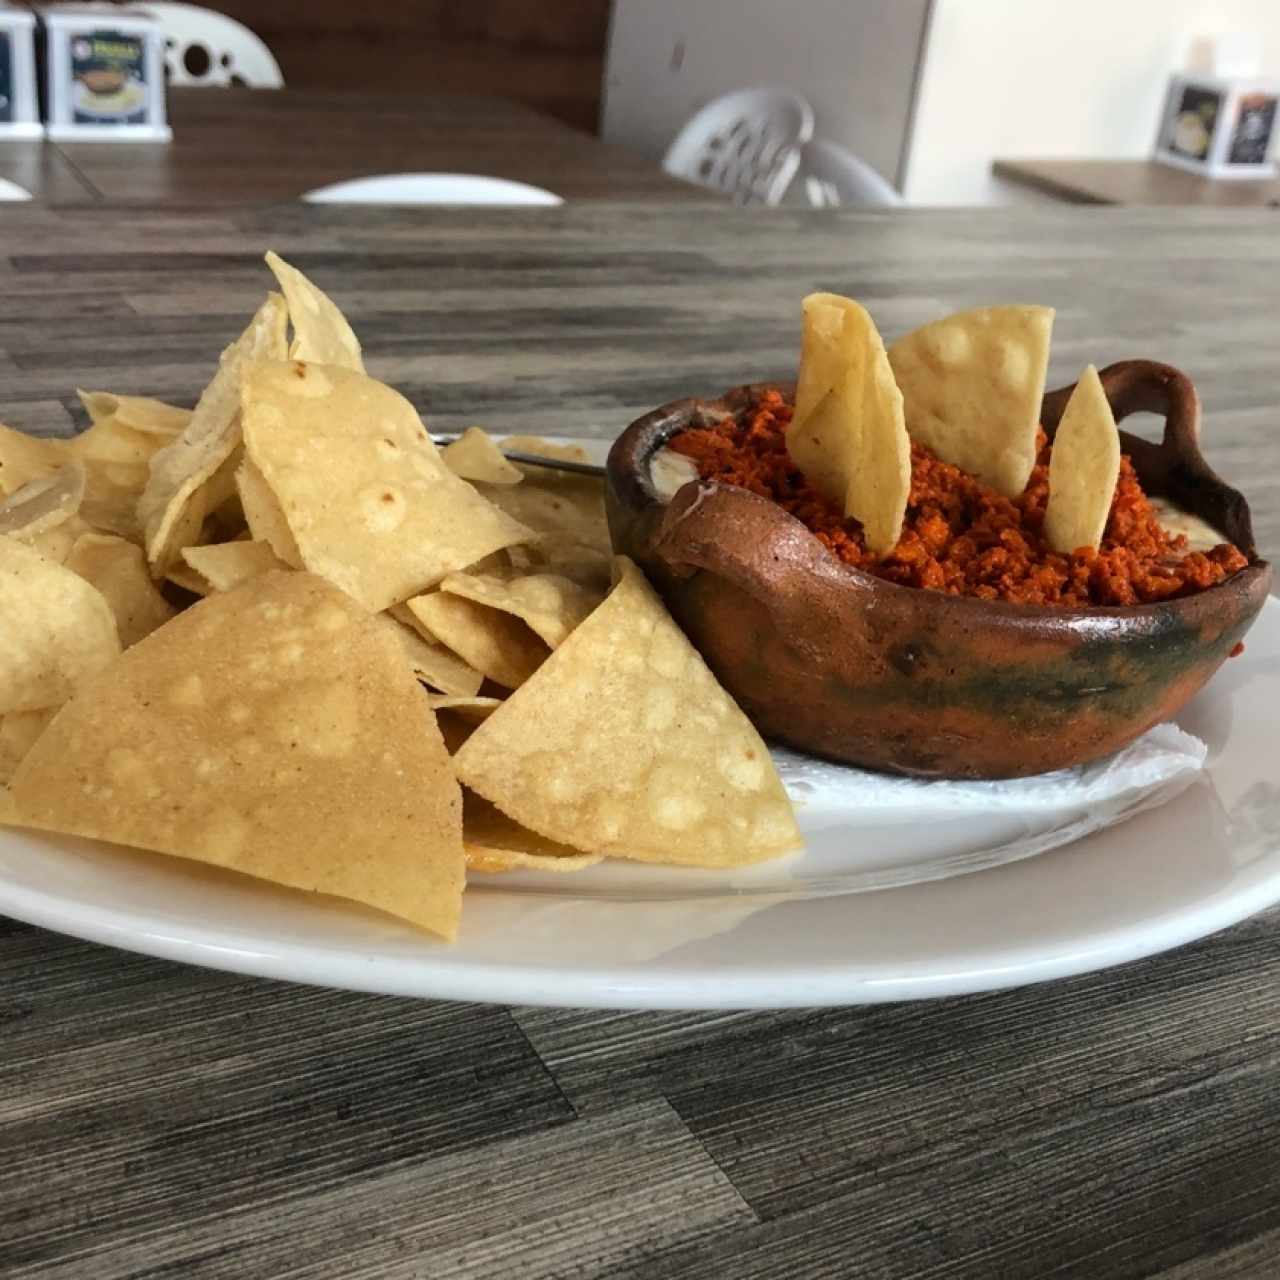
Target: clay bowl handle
<point>1174,468</point>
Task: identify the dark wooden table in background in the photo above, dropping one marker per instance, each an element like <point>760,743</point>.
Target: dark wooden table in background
<point>163,1121</point>
<point>245,146</point>
<point>1142,182</point>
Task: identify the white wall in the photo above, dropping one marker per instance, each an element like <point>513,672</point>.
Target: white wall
<point>855,60</point>
<point>1054,78</point>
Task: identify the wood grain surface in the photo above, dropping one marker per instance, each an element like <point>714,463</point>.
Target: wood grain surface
<point>240,146</point>
<point>163,1121</point>
<point>1136,182</point>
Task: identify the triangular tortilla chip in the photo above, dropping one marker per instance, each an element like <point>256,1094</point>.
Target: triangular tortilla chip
<point>361,487</point>
<point>55,544</point>
<point>495,844</point>
<point>141,413</point>
<point>493,642</point>
<point>44,503</point>
<point>851,441</point>
<point>174,504</point>
<point>275,730</point>
<point>119,570</point>
<point>558,507</point>
<point>550,605</point>
<point>117,461</point>
<point>262,513</point>
<point>432,663</point>
<point>624,743</point>
<point>55,630</point>
<point>24,458</point>
<point>226,565</point>
<point>1084,466</point>
<point>321,334</point>
<point>474,456</point>
<point>972,384</point>
<point>183,575</point>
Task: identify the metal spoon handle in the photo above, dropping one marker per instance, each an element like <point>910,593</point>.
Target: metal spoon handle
<point>534,459</point>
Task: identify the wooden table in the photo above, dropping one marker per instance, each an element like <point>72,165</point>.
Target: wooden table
<point>1135,182</point>
<point>242,146</point>
<point>163,1121</point>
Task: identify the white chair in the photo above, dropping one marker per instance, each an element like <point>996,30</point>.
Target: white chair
<point>209,49</point>
<point>11,191</point>
<point>833,176</point>
<point>432,188</point>
<point>746,144</point>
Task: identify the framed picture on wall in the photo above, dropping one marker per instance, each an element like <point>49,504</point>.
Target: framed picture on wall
<point>1218,127</point>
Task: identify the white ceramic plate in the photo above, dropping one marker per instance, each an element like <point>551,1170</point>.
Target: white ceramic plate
<point>803,932</point>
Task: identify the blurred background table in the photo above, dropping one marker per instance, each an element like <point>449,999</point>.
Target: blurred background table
<point>164,1121</point>
<point>247,146</point>
<point>1141,182</point>
<point>41,170</point>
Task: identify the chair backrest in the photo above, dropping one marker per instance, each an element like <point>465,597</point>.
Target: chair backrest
<point>11,191</point>
<point>432,188</point>
<point>746,144</point>
<point>209,49</point>
<point>831,175</point>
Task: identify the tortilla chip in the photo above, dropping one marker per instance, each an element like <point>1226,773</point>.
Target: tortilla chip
<point>151,417</point>
<point>184,576</point>
<point>494,643</point>
<point>119,571</point>
<point>548,604</point>
<point>851,441</point>
<point>460,717</point>
<point>55,544</point>
<point>475,456</point>
<point>24,458</point>
<point>174,505</point>
<point>972,385</point>
<point>589,567</point>
<point>495,844</point>
<point>623,743</point>
<point>431,662</point>
<point>18,733</point>
<point>111,441</point>
<point>558,507</point>
<point>55,630</point>
<point>436,664</point>
<point>263,514</point>
<point>273,730</point>
<point>472,708</point>
<point>117,461</point>
<point>361,487</point>
<point>321,334</point>
<point>226,565</point>
<point>1084,466</point>
<point>43,503</point>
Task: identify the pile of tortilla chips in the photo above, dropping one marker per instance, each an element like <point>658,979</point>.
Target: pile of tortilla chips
<point>283,634</point>
<point>969,388</point>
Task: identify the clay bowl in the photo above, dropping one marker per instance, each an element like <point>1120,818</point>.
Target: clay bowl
<point>831,661</point>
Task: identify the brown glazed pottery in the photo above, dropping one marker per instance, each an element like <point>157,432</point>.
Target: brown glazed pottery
<point>832,661</point>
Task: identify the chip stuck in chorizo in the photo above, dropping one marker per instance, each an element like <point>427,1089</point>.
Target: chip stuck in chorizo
<point>972,385</point>
<point>1083,469</point>
<point>849,436</point>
